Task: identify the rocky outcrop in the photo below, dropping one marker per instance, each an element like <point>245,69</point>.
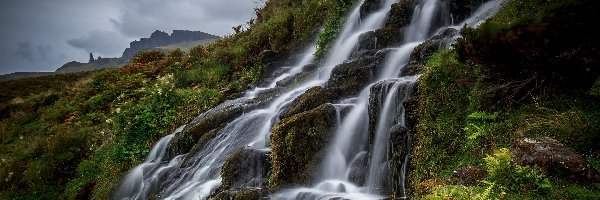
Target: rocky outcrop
<point>425,50</point>
<point>350,77</point>
<point>311,99</point>
<point>367,41</point>
<point>370,6</point>
<point>246,168</point>
<point>391,34</point>
<point>554,158</point>
<point>96,64</point>
<point>298,145</point>
<point>204,128</point>
<point>159,38</point>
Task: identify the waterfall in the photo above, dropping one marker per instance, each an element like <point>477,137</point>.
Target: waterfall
<point>387,93</point>
<point>353,167</point>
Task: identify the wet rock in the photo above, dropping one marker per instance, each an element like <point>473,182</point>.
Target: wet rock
<point>370,6</point>
<point>462,9</point>
<point>554,158</point>
<point>425,50</point>
<point>311,99</point>
<point>468,176</point>
<point>351,77</point>
<point>400,139</point>
<point>199,144</point>
<point>196,131</point>
<point>251,194</point>
<point>307,72</point>
<point>367,41</point>
<point>391,34</point>
<point>298,143</point>
<point>246,168</point>
<point>359,170</point>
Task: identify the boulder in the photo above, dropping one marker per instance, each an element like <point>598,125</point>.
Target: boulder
<point>391,34</point>
<point>246,168</point>
<point>369,7</point>
<point>311,99</point>
<point>425,50</point>
<point>199,129</point>
<point>298,144</point>
<point>554,158</point>
<point>367,41</point>
<point>352,76</point>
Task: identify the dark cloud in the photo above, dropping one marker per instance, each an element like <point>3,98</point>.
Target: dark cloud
<point>141,17</point>
<point>106,43</point>
<point>59,31</point>
<point>38,53</point>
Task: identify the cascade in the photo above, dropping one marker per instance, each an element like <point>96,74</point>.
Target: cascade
<point>196,175</point>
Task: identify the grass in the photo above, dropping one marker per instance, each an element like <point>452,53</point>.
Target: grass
<point>73,136</point>
<point>471,105</point>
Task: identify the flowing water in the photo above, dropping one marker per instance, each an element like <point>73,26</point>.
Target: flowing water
<point>353,168</point>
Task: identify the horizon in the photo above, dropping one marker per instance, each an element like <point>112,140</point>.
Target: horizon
<point>66,30</point>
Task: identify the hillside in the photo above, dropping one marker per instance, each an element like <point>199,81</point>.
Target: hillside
<point>157,41</point>
<point>326,99</point>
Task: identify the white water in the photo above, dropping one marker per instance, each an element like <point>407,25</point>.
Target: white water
<point>351,135</point>
<point>199,176</point>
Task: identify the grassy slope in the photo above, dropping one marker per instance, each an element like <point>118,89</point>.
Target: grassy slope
<point>77,140</point>
<point>473,104</point>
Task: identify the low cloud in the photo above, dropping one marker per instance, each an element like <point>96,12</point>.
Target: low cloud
<point>106,43</point>
<point>33,53</point>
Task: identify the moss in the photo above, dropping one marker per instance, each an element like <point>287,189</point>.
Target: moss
<point>250,194</point>
<point>312,98</point>
<point>296,144</point>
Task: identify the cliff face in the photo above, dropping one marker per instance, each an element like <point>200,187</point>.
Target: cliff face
<point>156,41</point>
<point>159,38</point>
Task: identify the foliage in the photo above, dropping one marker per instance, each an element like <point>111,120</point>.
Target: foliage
<point>474,93</point>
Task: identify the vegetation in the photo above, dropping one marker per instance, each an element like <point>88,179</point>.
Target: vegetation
<point>74,136</point>
<point>503,81</point>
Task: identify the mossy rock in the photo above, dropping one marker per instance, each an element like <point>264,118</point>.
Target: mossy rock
<point>312,98</point>
<point>351,77</point>
<point>245,168</point>
<point>195,131</point>
<point>251,194</point>
<point>391,34</point>
<point>297,143</point>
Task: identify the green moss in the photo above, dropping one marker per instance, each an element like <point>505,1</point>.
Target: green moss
<point>296,144</point>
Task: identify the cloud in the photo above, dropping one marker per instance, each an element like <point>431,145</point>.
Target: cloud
<point>106,43</point>
<point>142,17</point>
<point>28,52</point>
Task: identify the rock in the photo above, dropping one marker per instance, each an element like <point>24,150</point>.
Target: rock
<point>251,194</point>
<point>159,38</point>
<point>351,77</point>
<point>367,41</point>
<point>462,9</point>
<point>198,130</point>
<point>370,6</point>
<point>311,99</point>
<point>359,169</point>
<point>246,168</point>
<point>468,176</point>
<point>411,69</point>
<point>307,72</point>
<point>391,34</point>
<point>273,62</point>
<point>554,158</point>
<point>425,50</point>
<point>298,144</point>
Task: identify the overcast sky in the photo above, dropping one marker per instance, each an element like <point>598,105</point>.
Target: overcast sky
<point>42,35</point>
